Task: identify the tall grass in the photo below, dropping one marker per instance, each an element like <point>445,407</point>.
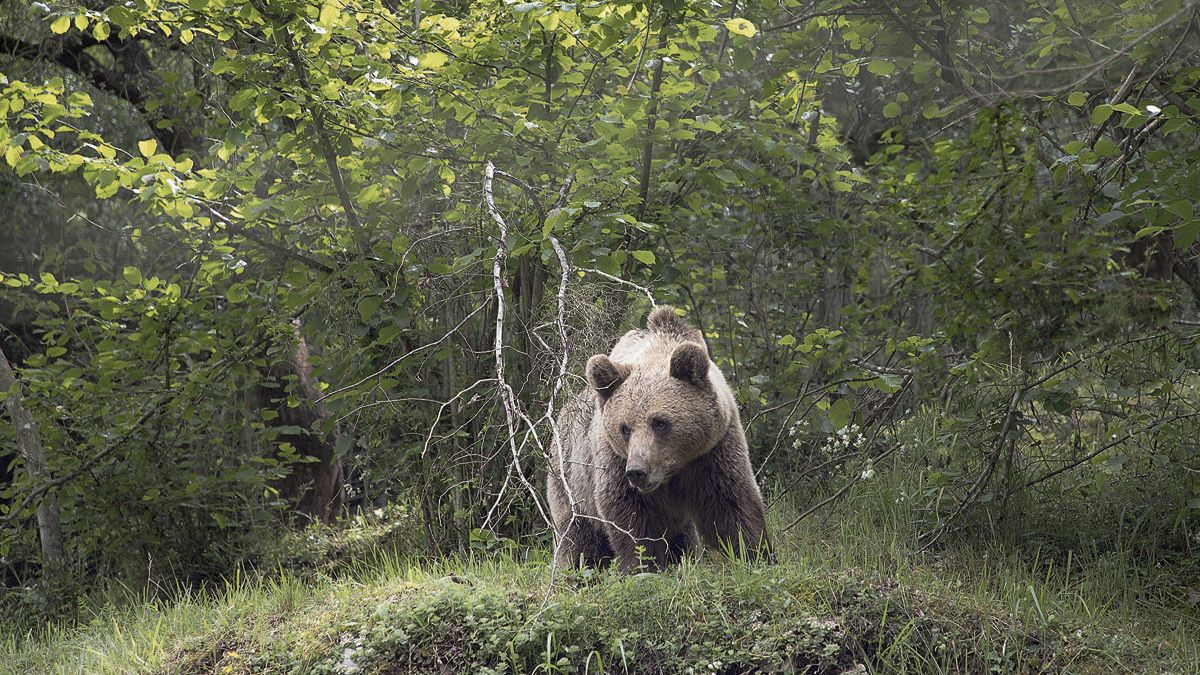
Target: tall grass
<point>850,591</point>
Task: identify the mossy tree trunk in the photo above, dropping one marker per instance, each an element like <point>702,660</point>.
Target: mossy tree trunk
<point>29,443</point>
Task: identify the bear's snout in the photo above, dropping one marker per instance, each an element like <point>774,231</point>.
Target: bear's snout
<point>638,477</point>
<point>640,474</point>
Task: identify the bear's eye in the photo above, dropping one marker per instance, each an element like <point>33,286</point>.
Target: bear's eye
<point>625,431</point>
<point>660,425</point>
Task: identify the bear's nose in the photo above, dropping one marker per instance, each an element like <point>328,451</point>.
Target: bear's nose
<point>637,476</point>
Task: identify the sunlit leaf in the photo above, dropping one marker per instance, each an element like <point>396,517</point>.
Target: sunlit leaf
<point>741,27</point>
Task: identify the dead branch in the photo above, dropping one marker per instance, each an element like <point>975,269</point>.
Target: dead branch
<point>507,396</point>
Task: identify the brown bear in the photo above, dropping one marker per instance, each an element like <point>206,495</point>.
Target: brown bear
<point>653,456</point>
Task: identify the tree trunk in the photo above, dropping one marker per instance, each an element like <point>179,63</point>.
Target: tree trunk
<point>29,443</point>
<point>314,486</point>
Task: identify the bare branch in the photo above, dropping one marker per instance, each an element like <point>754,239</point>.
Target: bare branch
<point>507,397</point>
<point>645,291</point>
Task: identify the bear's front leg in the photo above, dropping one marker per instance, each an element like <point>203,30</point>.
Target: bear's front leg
<point>642,532</point>
<point>682,542</point>
<point>581,540</point>
<point>735,528</point>
<point>636,552</point>
<point>639,537</point>
<point>728,509</point>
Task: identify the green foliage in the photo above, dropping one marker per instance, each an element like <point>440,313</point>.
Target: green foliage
<point>878,215</point>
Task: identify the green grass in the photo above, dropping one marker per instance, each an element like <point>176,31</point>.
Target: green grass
<point>849,592</point>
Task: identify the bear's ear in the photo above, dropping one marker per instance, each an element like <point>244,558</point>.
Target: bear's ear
<point>689,362</point>
<point>604,374</point>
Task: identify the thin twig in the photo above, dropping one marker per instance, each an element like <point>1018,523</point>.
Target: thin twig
<point>845,488</point>
<point>397,361</point>
<point>645,291</point>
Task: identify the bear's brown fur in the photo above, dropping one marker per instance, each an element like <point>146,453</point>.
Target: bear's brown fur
<point>653,456</point>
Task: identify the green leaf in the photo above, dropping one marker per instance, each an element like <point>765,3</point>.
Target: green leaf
<point>388,333</point>
<point>1077,98</point>
<point>132,275</point>
<point>892,110</point>
<point>329,14</point>
<point>889,383</point>
<point>1106,148</point>
<point>237,293</point>
<point>241,100</point>
<point>1185,234</point>
<point>646,257</point>
<point>741,27</point>
<point>147,147</point>
<point>839,414</point>
<point>433,60</point>
<point>121,16</point>
<point>368,306</point>
<point>55,352</point>
<point>1116,462</point>
<point>61,25</point>
<point>608,264</point>
<point>879,67</point>
<point>556,218</point>
<point>1100,114</point>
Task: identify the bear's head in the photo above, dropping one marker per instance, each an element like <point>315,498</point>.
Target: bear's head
<point>663,410</point>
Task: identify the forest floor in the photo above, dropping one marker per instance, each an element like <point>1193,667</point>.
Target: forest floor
<point>847,596</point>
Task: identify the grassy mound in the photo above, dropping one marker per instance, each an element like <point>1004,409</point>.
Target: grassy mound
<point>849,595</point>
<point>501,616</point>
<point>702,619</point>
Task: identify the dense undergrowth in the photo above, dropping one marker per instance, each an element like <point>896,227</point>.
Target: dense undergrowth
<point>849,594</point>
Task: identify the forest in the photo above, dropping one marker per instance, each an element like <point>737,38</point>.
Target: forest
<point>293,294</point>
